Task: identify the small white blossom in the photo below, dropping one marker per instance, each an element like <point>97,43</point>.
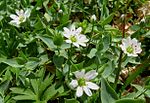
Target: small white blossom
<point>93,18</point>
<point>60,11</point>
<point>20,17</point>
<point>74,36</point>
<point>131,47</point>
<point>82,82</point>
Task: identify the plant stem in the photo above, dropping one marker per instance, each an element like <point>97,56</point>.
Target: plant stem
<point>121,54</point>
<point>118,70</point>
<point>140,94</point>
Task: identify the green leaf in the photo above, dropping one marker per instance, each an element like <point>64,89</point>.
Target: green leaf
<point>65,18</point>
<point>139,69</point>
<point>107,20</point>
<point>23,94</point>
<point>92,53</point>
<point>58,60</point>
<point>39,24</point>
<point>23,97</point>
<point>17,90</point>
<point>48,41</point>
<point>147,34</point>
<point>102,68</point>
<point>108,94</point>
<point>12,62</point>
<point>45,84</point>
<point>50,92</point>
<point>4,86</point>
<point>35,85</point>
<point>1,100</point>
<point>47,17</point>
<point>109,68</point>
<point>106,42</point>
<point>71,101</point>
<point>32,63</point>
<point>127,100</point>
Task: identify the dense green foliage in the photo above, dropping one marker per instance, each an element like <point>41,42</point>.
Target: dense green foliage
<point>37,65</point>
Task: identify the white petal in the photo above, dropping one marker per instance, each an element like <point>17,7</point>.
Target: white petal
<point>13,22</point>
<point>21,12</point>
<point>128,40</point>
<point>67,35</point>
<point>78,31</point>
<point>27,13</point>
<point>79,74</point>
<point>133,55</point>
<point>93,17</point>
<point>79,91</point>
<point>138,48</point>
<point>90,75</point>
<point>92,85</point>
<point>123,48</point>
<point>68,41</point>
<point>17,12</point>
<point>134,41</point>
<point>13,16</point>
<point>73,84</point>
<point>66,30</point>
<point>76,44</point>
<point>82,38</point>
<point>72,28</point>
<point>82,44</point>
<point>87,90</point>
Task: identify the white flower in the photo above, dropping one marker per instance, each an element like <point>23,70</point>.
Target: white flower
<point>93,18</point>
<point>82,83</point>
<point>20,17</point>
<point>60,11</point>
<point>131,47</point>
<point>74,36</point>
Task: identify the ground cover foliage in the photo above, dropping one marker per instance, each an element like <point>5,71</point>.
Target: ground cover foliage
<point>74,51</point>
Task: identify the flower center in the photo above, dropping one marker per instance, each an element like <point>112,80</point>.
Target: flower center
<point>129,49</point>
<point>73,38</point>
<point>21,18</point>
<point>81,82</point>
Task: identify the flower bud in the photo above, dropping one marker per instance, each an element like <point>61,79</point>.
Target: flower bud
<point>93,18</point>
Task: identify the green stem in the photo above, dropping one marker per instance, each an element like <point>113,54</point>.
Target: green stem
<point>118,70</point>
<point>93,23</point>
<point>121,54</point>
<point>140,94</point>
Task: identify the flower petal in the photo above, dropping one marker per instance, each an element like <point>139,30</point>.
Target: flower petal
<point>68,41</point>
<point>90,75</point>
<point>79,91</point>
<point>82,38</point>
<point>76,44</point>
<point>79,74</point>
<point>72,28</point>
<point>27,13</point>
<point>78,31</point>
<point>73,84</point>
<point>13,16</point>
<point>92,85</point>
<point>82,44</point>
<point>87,90</point>
<point>17,12</point>
<point>67,32</point>
<point>15,23</point>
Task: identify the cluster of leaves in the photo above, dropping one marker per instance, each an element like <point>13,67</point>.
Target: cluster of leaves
<point>36,64</point>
